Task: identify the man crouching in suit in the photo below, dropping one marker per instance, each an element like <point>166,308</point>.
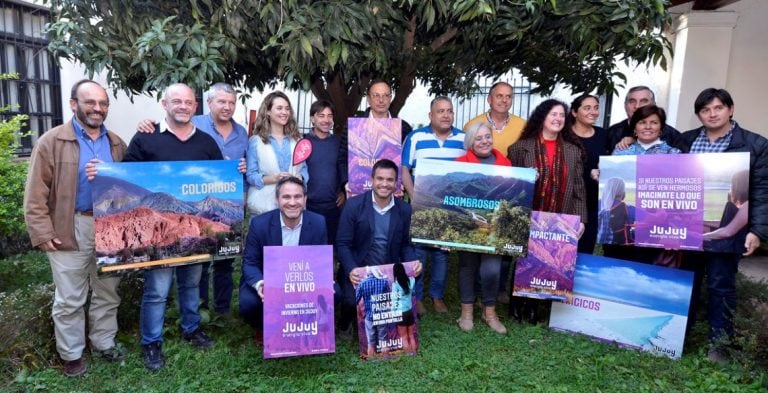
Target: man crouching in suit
<point>288,225</point>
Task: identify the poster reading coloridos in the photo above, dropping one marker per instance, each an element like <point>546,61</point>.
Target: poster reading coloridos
<point>370,140</point>
<point>472,207</point>
<point>386,313</point>
<point>157,214</point>
<point>635,305</point>
<point>298,301</point>
<point>548,269</point>
<point>674,201</point>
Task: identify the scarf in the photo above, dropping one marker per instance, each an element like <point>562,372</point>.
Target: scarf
<point>551,183</point>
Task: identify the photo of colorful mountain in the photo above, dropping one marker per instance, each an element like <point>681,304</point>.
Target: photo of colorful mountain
<point>155,214</point>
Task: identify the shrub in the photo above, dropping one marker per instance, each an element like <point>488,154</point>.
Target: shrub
<point>13,237</point>
<point>26,328</point>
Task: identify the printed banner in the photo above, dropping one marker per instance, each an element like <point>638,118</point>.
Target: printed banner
<point>637,306</point>
<point>386,316</point>
<point>159,214</point>
<point>473,207</point>
<point>298,301</point>
<point>370,140</point>
<point>547,271</point>
<point>674,201</point>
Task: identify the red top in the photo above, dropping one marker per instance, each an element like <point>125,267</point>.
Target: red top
<point>471,157</point>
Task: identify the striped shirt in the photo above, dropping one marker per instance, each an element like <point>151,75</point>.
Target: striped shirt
<point>424,143</point>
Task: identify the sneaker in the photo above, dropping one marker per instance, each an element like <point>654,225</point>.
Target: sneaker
<point>153,356</point>
<point>717,355</point>
<point>113,354</point>
<point>74,368</point>
<point>198,338</point>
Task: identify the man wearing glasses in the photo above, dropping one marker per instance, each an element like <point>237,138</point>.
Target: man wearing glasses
<point>58,210</point>
<point>379,99</point>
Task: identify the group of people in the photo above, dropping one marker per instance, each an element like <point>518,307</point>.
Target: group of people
<point>306,203</point>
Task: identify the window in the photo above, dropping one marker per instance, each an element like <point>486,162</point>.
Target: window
<point>23,49</point>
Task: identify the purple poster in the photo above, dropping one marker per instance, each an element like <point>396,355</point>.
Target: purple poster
<point>670,202</point>
<point>370,140</point>
<point>298,301</point>
<point>548,269</point>
<point>674,201</point>
<point>386,313</point>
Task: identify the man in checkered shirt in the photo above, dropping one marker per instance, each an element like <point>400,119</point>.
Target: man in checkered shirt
<point>720,133</point>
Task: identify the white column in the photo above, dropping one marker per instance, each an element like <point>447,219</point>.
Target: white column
<point>702,54</point>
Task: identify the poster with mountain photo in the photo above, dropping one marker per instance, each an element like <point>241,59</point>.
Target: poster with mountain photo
<point>548,269</point>
<point>369,140</point>
<point>158,214</point>
<point>472,207</point>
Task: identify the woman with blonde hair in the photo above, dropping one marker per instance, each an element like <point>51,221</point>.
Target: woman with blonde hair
<point>270,152</point>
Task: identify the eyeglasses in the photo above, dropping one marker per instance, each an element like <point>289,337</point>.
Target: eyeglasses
<point>380,97</point>
<point>92,103</point>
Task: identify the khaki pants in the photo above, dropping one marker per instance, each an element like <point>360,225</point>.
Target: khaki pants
<point>74,272</point>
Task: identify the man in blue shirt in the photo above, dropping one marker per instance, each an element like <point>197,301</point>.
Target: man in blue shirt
<point>439,140</point>
<point>58,210</point>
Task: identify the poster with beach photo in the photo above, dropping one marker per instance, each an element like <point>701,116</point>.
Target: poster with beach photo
<point>674,201</point>
<point>387,324</point>
<point>298,301</point>
<point>634,305</point>
<point>472,207</point>
<point>548,269</point>
<point>159,214</point>
<point>370,140</point>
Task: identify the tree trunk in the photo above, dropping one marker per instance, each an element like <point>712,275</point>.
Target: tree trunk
<point>345,98</point>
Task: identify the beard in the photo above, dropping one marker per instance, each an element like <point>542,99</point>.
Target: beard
<point>84,119</point>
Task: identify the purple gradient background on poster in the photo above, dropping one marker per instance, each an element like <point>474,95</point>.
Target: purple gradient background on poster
<point>669,202</point>
<point>393,335</point>
<point>297,281</point>
<point>370,140</point>
<point>548,270</point>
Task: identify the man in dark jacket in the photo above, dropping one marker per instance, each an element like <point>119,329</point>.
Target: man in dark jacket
<point>719,133</point>
<point>374,230</point>
<point>637,96</point>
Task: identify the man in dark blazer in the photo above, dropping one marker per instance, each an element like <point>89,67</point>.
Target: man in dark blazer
<point>374,229</point>
<point>288,225</point>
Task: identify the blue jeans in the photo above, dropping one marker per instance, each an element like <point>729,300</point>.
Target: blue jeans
<point>157,284</point>
<point>721,293</point>
<point>439,269</point>
<point>222,285</point>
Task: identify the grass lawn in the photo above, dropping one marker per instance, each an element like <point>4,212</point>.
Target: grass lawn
<point>528,359</point>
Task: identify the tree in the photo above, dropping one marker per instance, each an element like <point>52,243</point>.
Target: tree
<point>334,48</point>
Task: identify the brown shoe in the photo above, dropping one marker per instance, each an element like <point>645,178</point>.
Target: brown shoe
<point>258,338</point>
<point>420,309</point>
<point>465,321</point>
<point>492,320</point>
<point>74,368</point>
<point>440,306</point>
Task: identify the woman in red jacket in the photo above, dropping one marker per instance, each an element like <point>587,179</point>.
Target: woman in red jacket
<point>478,142</point>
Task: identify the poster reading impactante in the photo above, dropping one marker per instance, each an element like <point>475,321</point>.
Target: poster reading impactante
<point>473,207</point>
<point>548,269</point>
<point>386,314</point>
<point>674,201</point>
<point>370,140</point>
<point>632,304</point>
<point>159,214</point>
<point>298,301</point>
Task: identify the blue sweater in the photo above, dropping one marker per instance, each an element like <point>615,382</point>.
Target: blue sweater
<point>327,167</point>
